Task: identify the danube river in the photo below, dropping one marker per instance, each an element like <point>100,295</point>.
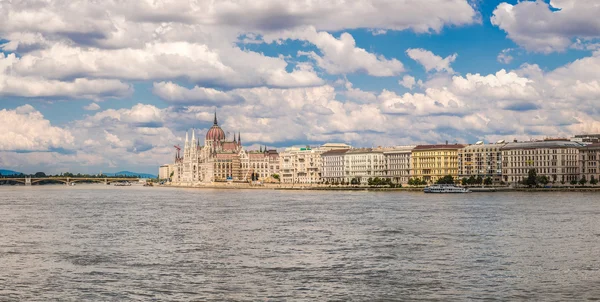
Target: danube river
<point>96,242</point>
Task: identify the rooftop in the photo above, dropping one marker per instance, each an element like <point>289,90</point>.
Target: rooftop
<point>335,152</point>
<point>542,144</point>
<point>441,146</point>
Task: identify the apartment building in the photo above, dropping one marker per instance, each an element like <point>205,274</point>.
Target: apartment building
<point>556,159</point>
<point>589,161</point>
<point>432,162</point>
<point>333,166</point>
<point>481,159</point>
<point>300,165</point>
<point>398,163</point>
<point>364,163</point>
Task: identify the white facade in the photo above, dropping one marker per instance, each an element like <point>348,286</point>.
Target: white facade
<point>164,172</point>
<point>589,159</point>
<point>557,160</point>
<point>300,165</point>
<point>362,164</point>
<point>333,166</point>
<point>398,163</point>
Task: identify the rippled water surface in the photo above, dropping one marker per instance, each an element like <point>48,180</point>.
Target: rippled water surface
<point>103,243</point>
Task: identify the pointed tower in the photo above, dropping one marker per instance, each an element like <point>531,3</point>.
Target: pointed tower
<point>186,145</point>
<point>239,139</point>
<point>193,142</point>
<point>215,122</point>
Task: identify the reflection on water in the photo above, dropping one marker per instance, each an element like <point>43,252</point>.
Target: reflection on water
<point>94,242</point>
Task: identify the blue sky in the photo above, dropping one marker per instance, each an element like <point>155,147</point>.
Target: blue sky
<point>117,92</point>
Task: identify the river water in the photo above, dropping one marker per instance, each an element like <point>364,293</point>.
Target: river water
<point>96,242</point>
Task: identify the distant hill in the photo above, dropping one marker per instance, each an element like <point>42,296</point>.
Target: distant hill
<point>128,173</point>
<point>9,172</point>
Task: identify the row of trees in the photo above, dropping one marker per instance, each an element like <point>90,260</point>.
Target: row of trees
<point>534,180</point>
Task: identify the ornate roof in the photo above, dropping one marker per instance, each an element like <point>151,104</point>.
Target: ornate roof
<point>215,133</point>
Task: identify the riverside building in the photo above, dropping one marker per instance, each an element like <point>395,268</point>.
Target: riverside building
<point>398,163</point>
<point>589,159</point>
<point>333,166</point>
<point>164,172</point>
<point>364,163</point>
<point>432,162</point>
<point>481,160</point>
<point>555,159</point>
<point>220,159</point>
<point>301,165</point>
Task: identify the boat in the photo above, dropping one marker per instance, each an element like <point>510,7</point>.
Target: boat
<point>123,184</point>
<point>445,189</point>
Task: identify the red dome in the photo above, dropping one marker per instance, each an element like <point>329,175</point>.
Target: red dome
<point>215,133</point>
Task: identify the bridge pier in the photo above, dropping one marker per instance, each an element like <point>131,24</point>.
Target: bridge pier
<point>28,181</point>
<point>105,181</point>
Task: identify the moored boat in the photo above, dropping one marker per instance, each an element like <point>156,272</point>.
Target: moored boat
<point>445,189</point>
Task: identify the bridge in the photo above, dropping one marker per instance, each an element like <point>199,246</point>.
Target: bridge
<point>67,180</point>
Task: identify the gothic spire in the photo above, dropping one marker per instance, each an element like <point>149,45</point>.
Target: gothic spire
<point>239,139</point>
<point>215,122</point>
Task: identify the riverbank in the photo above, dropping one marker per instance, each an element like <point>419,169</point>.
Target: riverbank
<point>284,187</point>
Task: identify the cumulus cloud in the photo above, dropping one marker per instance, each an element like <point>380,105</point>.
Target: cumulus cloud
<point>504,56</point>
<point>85,21</point>
<point>200,96</point>
<point>229,67</point>
<point>542,27</point>
<point>430,61</point>
<point>340,56</point>
<point>25,129</point>
<point>92,107</point>
<point>34,85</point>
<point>407,81</point>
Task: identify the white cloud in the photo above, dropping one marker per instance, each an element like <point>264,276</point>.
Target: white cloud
<point>92,107</point>
<point>26,129</point>
<point>431,61</point>
<point>176,94</point>
<point>197,63</point>
<point>340,56</point>
<point>504,56</point>
<point>407,81</point>
<point>536,27</point>
<point>33,85</point>
<point>90,22</point>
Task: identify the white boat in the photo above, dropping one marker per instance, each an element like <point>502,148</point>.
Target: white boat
<point>445,189</point>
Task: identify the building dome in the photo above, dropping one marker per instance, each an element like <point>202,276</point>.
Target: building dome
<point>215,133</point>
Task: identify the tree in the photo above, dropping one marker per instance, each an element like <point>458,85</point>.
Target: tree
<point>531,180</point>
<point>172,173</point>
<point>593,181</point>
<point>553,178</point>
<point>276,176</point>
<point>479,180</point>
<point>583,180</point>
<point>39,174</point>
<point>543,179</point>
<point>354,181</point>
<point>448,179</point>
<point>471,180</point>
<point>488,181</point>
<point>573,182</point>
<point>464,181</point>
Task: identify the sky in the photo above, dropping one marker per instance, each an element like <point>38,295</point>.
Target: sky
<point>102,86</point>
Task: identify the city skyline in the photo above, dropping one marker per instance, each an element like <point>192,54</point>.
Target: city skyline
<point>95,87</point>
